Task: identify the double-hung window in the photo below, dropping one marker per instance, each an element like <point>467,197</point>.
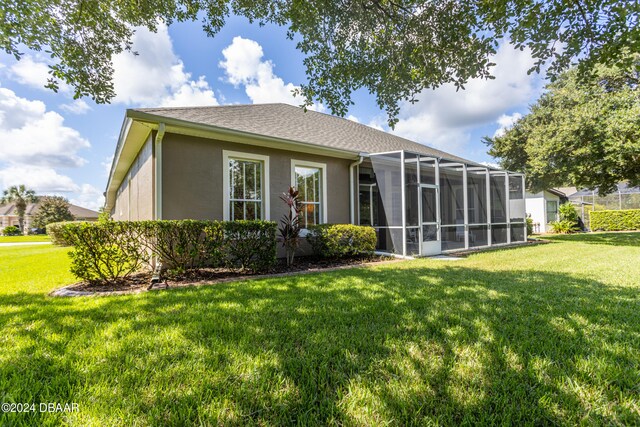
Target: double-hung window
<point>309,178</point>
<point>552,211</point>
<point>245,186</point>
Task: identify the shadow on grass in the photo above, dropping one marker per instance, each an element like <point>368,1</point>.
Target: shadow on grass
<point>402,346</point>
<point>611,239</point>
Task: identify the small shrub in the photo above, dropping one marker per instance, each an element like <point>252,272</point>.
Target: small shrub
<point>620,220</point>
<point>11,230</point>
<point>564,227</point>
<point>529,226</point>
<point>54,231</point>
<point>104,252</point>
<point>183,245</point>
<point>569,220</point>
<point>342,240</point>
<point>250,245</point>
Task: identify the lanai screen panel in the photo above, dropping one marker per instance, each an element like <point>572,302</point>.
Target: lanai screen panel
<point>412,204</point>
<point>452,206</point>
<point>380,197</point>
<point>477,206</point>
<point>517,210</point>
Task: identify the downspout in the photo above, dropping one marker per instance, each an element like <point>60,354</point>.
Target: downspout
<point>157,263</point>
<point>352,214</point>
<point>158,170</point>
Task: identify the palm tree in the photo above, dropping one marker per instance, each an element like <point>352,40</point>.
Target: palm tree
<point>20,196</point>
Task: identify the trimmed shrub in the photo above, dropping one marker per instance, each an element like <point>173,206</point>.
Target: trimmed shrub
<point>250,245</point>
<point>104,252</point>
<point>11,230</point>
<point>109,251</point>
<point>564,227</point>
<point>529,226</point>
<point>342,240</point>
<point>54,231</point>
<point>183,245</point>
<point>620,220</point>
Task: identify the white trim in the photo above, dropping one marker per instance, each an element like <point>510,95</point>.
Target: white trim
<point>266,188</point>
<point>323,193</point>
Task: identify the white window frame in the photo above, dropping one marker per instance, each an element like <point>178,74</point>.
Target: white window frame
<point>323,192</point>
<point>239,155</point>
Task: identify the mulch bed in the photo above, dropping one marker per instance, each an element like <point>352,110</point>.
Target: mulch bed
<point>140,282</point>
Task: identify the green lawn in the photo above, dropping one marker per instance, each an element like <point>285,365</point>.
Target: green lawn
<point>31,238</point>
<point>538,335</point>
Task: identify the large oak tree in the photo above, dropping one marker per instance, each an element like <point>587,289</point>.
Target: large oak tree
<point>393,48</point>
<point>581,132</point>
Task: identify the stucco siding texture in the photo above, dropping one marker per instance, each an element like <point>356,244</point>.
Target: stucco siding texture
<point>193,170</point>
<point>134,198</point>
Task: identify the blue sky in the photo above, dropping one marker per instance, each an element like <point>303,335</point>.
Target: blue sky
<point>56,145</point>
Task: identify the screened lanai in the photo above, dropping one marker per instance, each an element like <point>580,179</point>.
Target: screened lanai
<point>422,205</point>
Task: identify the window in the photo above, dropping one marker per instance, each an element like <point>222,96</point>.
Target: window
<point>552,211</point>
<point>246,184</point>
<point>309,178</point>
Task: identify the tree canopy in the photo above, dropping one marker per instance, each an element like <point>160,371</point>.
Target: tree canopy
<point>584,133</point>
<point>392,48</point>
<point>52,209</point>
<point>20,196</point>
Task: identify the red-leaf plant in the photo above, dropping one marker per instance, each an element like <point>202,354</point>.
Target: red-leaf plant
<point>290,224</point>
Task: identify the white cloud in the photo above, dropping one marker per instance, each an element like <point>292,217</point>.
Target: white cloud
<point>353,118</point>
<point>33,72</point>
<point>43,180</point>
<point>78,106</point>
<point>156,76</point>
<point>29,134</point>
<point>244,66</point>
<point>88,197</point>
<point>491,164</point>
<point>106,164</point>
<point>506,121</point>
<point>444,117</point>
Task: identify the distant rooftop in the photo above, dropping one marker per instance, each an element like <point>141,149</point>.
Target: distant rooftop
<point>77,211</point>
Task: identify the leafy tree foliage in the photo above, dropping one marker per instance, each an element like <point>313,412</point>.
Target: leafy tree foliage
<point>584,133</point>
<point>52,209</point>
<point>20,196</point>
<point>392,48</point>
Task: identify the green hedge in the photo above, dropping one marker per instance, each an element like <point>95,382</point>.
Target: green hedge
<point>615,220</point>
<point>109,251</point>
<point>104,252</point>
<point>11,230</point>
<point>185,244</point>
<point>54,231</point>
<point>342,240</point>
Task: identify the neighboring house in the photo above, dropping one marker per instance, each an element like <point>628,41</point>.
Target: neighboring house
<point>233,162</point>
<point>543,208</point>
<point>9,217</point>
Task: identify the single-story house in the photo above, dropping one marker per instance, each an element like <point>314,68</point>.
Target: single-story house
<point>233,162</point>
<point>543,208</point>
<point>9,217</point>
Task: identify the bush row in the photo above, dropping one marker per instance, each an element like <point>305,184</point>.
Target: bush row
<point>54,231</point>
<point>107,251</point>
<point>615,220</point>
<point>341,240</point>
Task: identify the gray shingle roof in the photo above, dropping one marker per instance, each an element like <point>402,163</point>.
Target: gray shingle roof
<point>293,123</point>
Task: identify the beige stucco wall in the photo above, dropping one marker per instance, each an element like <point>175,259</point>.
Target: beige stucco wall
<point>192,178</point>
<point>134,198</point>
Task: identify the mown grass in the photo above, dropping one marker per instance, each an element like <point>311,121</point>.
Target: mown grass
<point>33,268</point>
<point>30,238</point>
<point>546,334</point>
